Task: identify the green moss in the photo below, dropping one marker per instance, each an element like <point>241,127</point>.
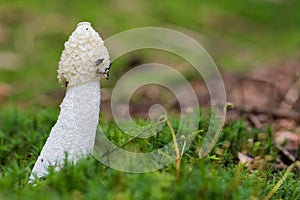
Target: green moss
<point>23,133</point>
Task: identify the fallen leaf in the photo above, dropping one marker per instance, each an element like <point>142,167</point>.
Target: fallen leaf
<point>285,124</point>
<point>244,159</point>
<point>287,139</point>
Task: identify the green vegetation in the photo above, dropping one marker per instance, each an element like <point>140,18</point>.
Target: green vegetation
<point>218,176</point>
<point>239,35</point>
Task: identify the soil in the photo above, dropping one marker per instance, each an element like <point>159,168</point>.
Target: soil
<point>264,96</point>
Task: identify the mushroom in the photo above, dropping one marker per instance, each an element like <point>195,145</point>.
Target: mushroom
<point>83,62</point>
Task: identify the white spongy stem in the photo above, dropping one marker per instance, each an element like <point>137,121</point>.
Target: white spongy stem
<point>74,132</point>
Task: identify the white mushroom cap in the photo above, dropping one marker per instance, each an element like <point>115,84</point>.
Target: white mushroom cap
<point>85,57</point>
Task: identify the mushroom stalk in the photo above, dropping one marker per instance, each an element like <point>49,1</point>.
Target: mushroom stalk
<point>83,62</point>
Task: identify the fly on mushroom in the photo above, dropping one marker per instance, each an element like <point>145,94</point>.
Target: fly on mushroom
<point>99,61</point>
<point>106,69</point>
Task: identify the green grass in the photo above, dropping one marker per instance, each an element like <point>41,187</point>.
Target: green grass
<point>218,176</point>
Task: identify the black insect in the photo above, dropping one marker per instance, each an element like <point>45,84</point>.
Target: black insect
<point>99,61</point>
<point>110,65</point>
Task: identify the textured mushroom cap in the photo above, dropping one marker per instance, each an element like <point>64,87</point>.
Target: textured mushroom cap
<point>84,58</point>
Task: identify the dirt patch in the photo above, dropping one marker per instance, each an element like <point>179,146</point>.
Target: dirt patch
<point>266,95</point>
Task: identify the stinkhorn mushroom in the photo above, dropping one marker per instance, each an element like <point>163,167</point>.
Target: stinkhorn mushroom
<point>83,62</point>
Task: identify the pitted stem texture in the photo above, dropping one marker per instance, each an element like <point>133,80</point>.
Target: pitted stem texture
<point>74,132</point>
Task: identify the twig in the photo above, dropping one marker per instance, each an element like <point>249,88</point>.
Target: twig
<point>184,144</point>
<point>178,156</point>
<point>291,96</point>
<point>279,183</point>
<point>255,121</point>
<point>286,153</point>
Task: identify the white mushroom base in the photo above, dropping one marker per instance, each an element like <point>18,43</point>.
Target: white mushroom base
<point>74,132</point>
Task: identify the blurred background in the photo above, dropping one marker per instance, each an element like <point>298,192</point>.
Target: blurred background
<point>240,35</point>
